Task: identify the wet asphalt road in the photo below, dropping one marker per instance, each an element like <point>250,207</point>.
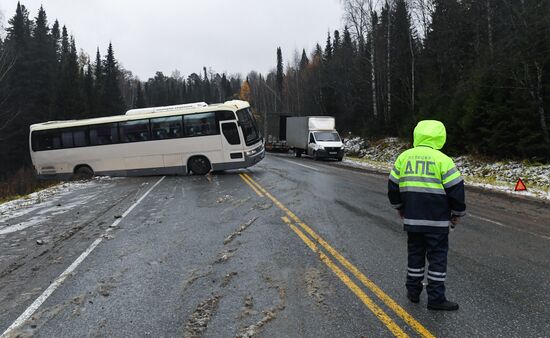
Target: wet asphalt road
<point>288,248</point>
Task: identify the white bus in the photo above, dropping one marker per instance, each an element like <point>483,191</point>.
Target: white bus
<point>177,139</point>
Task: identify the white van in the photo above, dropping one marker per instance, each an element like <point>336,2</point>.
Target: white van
<point>315,136</point>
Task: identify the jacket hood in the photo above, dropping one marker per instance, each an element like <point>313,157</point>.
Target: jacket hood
<point>430,133</point>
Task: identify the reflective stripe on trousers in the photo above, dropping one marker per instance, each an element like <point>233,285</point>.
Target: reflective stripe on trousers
<point>434,247</point>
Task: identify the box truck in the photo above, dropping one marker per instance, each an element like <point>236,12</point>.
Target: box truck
<point>275,140</point>
<point>315,136</point>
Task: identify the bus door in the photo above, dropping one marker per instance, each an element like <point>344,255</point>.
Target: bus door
<point>232,145</point>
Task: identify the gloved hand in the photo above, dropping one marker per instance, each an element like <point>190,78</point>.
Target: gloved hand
<point>401,213</point>
<point>454,221</point>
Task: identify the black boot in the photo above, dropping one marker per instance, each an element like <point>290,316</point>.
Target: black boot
<point>413,298</point>
<point>443,306</point>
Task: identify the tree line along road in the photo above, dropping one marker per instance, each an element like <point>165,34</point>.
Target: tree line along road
<point>288,248</point>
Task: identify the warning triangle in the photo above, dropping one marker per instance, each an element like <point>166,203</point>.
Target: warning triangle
<point>520,186</point>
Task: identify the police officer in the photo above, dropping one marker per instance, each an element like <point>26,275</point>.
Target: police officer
<point>427,190</point>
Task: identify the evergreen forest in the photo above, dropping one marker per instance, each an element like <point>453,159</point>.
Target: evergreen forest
<point>480,66</point>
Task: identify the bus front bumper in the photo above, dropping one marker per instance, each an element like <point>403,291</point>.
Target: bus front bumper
<point>251,160</point>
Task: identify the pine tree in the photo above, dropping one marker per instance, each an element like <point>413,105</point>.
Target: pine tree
<point>88,90</point>
<point>206,87</point>
<point>68,94</point>
<point>304,61</point>
<point>328,49</point>
<point>140,97</point>
<point>402,118</point>
<point>55,40</point>
<point>446,65</point>
<point>19,40</point>
<point>17,112</point>
<point>43,67</point>
<point>279,77</point>
<point>336,42</point>
<point>97,94</point>
<point>112,103</point>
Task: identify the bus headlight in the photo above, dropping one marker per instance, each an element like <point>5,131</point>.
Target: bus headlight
<point>253,151</point>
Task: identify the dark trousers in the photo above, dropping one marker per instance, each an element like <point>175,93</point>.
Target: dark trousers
<point>434,247</point>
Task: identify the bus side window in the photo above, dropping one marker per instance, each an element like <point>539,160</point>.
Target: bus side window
<point>103,134</point>
<point>134,131</point>
<point>67,138</point>
<point>231,133</point>
<point>200,124</point>
<point>80,137</point>
<point>46,140</point>
<point>166,127</point>
<point>225,115</point>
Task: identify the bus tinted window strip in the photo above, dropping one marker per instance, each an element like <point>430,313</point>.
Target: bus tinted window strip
<point>39,145</point>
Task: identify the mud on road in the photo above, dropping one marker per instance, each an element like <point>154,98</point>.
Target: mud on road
<point>214,257</point>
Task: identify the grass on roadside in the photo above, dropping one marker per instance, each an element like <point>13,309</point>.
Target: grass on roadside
<point>20,184</point>
<point>505,184</point>
<point>375,164</point>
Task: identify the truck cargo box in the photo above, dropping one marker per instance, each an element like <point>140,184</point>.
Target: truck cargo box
<point>298,128</point>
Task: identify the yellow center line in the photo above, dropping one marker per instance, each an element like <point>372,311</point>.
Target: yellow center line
<point>378,312</point>
<point>409,319</point>
<point>251,185</point>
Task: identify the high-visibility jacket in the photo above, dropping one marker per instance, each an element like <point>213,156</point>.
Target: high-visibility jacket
<point>425,183</point>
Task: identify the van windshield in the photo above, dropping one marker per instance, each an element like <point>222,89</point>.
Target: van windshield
<point>330,136</point>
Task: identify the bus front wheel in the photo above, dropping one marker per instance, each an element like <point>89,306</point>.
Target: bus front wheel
<point>83,172</point>
<point>199,165</point>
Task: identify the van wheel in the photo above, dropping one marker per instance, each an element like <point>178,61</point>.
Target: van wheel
<point>315,156</point>
<point>298,152</point>
<point>340,159</point>
<point>83,172</point>
<point>199,165</point>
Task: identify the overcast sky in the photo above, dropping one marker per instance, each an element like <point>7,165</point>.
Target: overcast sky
<point>233,36</point>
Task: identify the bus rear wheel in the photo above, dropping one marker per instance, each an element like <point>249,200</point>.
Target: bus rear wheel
<point>83,172</point>
<point>199,165</point>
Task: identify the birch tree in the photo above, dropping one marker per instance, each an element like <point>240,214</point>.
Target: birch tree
<point>360,17</point>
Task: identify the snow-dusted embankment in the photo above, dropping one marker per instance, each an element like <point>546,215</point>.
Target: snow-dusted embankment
<point>43,203</point>
<point>501,176</point>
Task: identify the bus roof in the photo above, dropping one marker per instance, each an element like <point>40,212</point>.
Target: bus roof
<point>144,113</point>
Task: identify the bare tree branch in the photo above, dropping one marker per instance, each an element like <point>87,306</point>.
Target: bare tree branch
<point>6,64</point>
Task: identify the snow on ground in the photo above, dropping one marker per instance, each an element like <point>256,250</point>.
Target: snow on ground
<point>501,176</point>
<point>26,204</point>
<point>43,198</point>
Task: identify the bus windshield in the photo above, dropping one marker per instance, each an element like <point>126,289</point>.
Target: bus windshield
<point>248,125</point>
<point>327,136</point>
